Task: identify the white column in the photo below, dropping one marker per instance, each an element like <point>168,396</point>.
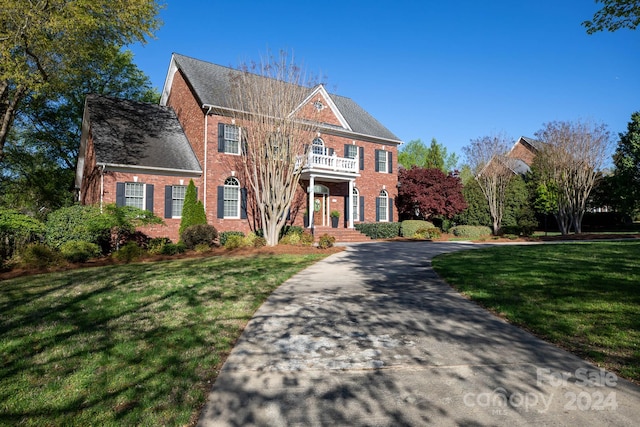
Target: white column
<point>311,197</point>
<point>350,201</point>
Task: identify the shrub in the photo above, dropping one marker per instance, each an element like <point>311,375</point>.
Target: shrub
<point>254,241</point>
<point>16,231</point>
<point>409,227</point>
<point>77,223</point>
<point>199,234</point>
<point>427,233</point>
<point>326,241</point>
<point>79,251</point>
<point>129,252</point>
<point>234,241</point>
<point>192,209</point>
<point>40,255</point>
<point>222,238</point>
<point>297,239</point>
<point>470,231</point>
<point>164,246</point>
<point>379,230</point>
<point>202,248</point>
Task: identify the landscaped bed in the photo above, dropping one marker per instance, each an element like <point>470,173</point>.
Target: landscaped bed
<point>584,297</point>
<point>134,344</point>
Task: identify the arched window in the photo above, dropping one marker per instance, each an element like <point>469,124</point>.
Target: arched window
<point>356,204</point>
<point>318,146</point>
<point>231,198</point>
<point>382,207</point>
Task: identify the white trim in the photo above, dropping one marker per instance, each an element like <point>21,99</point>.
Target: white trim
<point>144,169</point>
<point>325,95</point>
<point>168,82</point>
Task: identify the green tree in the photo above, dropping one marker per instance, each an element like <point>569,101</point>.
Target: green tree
<point>614,15</point>
<point>626,177</point>
<point>192,209</point>
<point>43,42</point>
<point>39,163</point>
<point>435,156</point>
<point>477,211</point>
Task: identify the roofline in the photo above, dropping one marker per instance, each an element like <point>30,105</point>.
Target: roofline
<point>326,129</point>
<point>148,168</point>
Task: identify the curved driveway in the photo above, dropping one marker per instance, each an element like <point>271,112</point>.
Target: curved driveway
<point>371,336</point>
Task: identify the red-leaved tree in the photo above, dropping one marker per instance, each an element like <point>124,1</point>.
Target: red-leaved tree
<point>427,193</point>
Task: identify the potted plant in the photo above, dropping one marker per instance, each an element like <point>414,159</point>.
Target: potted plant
<point>335,216</point>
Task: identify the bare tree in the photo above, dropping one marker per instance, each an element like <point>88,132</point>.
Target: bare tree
<point>266,98</point>
<point>570,160</point>
<point>487,157</point>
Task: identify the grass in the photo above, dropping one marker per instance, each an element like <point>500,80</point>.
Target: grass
<point>584,297</point>
<point>135,344</point>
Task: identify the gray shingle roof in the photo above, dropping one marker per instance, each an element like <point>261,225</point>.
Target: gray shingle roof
<point>138,134</point>
<point>211,83</point>
<point>533,142</point>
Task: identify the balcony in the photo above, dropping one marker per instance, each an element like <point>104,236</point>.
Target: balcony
<point>319,160</point>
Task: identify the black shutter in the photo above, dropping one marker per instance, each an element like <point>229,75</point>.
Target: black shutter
<point>148,204</point>
<point>361,217</point>
<point>390,162</point>
<point>346,150</point>
<point>377,209</point>
<point>390,210</point>
<point>243,203</point>
<point>347,208</point>
<point>120,200</point>
<point>331,151</point>
<point>168,201</point>
<point>221,137</point>
<point>221,201</point>
<point>377,164</point>
<point>361,149</point>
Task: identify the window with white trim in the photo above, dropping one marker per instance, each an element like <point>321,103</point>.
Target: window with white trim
<point>231,198</point>
<point>351,151</point>
<point>134,194</point>
<point>355,196</point>
<point>381,160</point>
<point>231,139</point>
<point>383,206</point>
<point>177,200</point>
<point>318,146</point>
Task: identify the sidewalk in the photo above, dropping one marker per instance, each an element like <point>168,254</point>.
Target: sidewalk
<point>371,336</point>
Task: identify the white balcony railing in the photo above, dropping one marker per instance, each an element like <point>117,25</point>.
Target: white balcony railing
<point>329,162</point>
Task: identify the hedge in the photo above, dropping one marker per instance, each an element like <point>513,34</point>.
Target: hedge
<point>379,230</point>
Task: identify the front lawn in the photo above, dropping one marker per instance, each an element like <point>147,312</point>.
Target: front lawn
<point>584,297</point>
<point>134,344</point>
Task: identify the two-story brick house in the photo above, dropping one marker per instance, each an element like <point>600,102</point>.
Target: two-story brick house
<point>144,155</point>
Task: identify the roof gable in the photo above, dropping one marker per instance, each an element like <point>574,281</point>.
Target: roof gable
<point>319,105</point>
<point>137,134</point>
<point>211,83</point>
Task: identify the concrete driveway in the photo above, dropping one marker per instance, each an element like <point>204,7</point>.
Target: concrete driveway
<point>372,337</point>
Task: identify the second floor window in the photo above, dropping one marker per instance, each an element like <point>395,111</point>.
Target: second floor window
<point>229,137</point>
<point>351,151</point>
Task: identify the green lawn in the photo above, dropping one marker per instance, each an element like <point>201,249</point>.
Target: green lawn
<point>584,297</point>
<point>134,344</point>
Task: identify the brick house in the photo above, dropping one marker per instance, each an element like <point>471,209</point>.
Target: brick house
<point>144,155</point>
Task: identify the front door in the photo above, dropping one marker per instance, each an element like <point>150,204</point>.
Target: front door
<point>319,209</point>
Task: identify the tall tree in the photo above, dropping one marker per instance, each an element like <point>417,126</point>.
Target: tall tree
<point>626,178</point>
<point>492,168</point>
<point>427,193</point>
<point>614,15</point>
<point>569,164</point>
<point>39,163</point>
<point>265,97</point>
<point>44,41</point>
<point>416,153</point>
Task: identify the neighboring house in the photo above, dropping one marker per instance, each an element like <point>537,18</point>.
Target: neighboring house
<point>523,152</point>
<point>144,155</point>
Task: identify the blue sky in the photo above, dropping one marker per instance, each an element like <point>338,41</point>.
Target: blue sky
<point>450,70</point>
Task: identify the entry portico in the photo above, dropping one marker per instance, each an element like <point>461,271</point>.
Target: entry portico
<point>322,167</point>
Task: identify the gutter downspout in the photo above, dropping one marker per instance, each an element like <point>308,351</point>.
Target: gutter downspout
<point>206,143</point>
<point>102,186</point>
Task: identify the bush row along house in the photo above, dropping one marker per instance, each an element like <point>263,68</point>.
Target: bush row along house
<point>144,155</point>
